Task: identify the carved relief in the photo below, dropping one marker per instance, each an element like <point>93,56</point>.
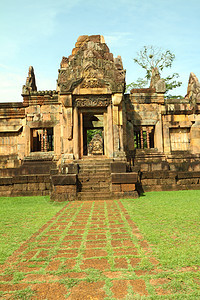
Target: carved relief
<point>91,66</point>
<point>193,90</point>
<point>92,102</point>
<point>95,147</point>
<point>30,85</point>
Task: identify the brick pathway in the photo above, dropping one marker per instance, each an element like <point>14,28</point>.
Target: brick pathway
<point>89,250</point>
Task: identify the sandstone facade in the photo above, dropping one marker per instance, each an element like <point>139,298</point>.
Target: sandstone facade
<point>53,131</point>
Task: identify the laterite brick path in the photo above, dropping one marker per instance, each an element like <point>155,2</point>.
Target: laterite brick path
<point>89,250</point>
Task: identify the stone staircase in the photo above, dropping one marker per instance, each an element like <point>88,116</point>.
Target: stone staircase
<point>94,180</point>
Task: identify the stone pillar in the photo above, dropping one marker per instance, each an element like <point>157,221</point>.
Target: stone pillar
<point>130,136</point>
<point>158,136</point>
<point>195,138</point>
<point>116,129</point>
<point>42,140</point>
<point>166,137</point>
<point>117,125</point>
<point>105,137</point>
<point>109,134</point>
<point>81,134</point>
<point>45,140</point>
<point>75,133</point>
<point>67,125</point>
<point>27,137</point>
<point>141,138</point>
<point>148,143</point>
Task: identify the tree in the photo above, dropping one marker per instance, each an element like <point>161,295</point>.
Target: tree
<point>151,57</point>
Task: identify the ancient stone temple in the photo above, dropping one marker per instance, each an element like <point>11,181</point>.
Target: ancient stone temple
<point>88,139</point>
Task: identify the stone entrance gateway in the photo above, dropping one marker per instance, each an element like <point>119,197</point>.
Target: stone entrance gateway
<point>88,138</point>
<point>93,127</point>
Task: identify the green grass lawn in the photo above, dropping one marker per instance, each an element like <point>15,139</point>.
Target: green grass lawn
<point>170,221</point>
<point>20,217</point>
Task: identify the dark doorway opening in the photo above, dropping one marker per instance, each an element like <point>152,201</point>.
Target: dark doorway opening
<point>144,137</point>
<point>42,140</point>
<point>93,134</point>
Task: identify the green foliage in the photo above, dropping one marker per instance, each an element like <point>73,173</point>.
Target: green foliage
<point>151,57</point>
<point>169,96</point>
<point>91,133</point>
<point>139,84</point>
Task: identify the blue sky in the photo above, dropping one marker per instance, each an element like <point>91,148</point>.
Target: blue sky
<point>40,32</point>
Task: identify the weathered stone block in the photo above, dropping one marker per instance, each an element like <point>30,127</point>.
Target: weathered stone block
<point>41,186</point>
<point>32,178</point>
<point>59,189</point>
<point>5,181</point>
<point>18,187</point>
<point>118,167</point>
<point>124,177</point>
<point>47,185</point>
<point>116,187</point>
<point>19,179</point>
<point>127,187</point>
<point>149,181</point>
<point>68,179</point>
<point>5,194</point>
<point>5,188</point>
<point>32,187</point>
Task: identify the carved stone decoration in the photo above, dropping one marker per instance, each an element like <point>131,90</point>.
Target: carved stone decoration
<point>30,85</point>
<point>92,102</point>
<point>91,66</point>
<point>157,83</point>
<point>95,146</point>
<point>193,90</point>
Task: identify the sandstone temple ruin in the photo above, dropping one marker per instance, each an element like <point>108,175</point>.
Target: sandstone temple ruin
<point>88,139</point>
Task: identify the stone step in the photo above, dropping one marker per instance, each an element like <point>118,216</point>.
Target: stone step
<point>94,167</point>
<point>94,196</point>
<point>95,183</point>
<point>94,172</point>
<point>89,176</point>
<point>96,189</point>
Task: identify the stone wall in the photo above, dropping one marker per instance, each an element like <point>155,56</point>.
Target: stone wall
<point>27,185</point>
<point>169,181</point>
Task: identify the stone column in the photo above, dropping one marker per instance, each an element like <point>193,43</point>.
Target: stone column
<point>27,136</point>
<point>116,128</point>
<point>141,138</point>
<point>158,136</point>
<point>109,134</point>
<point>81,134</point>
<point>195,138</point>
<point>75,133</point>
<point>45,140</point>
<point>117,125</point>
<point>166,137</point>
<point>42,140</point>
<point>148,143</point>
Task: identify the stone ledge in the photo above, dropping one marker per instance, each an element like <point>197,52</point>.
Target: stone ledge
<point>124,177</point>
<point>68,179</point>
<point>118,167</point>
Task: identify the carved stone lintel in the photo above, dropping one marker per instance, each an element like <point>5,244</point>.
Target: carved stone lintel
<point>92,102</point>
